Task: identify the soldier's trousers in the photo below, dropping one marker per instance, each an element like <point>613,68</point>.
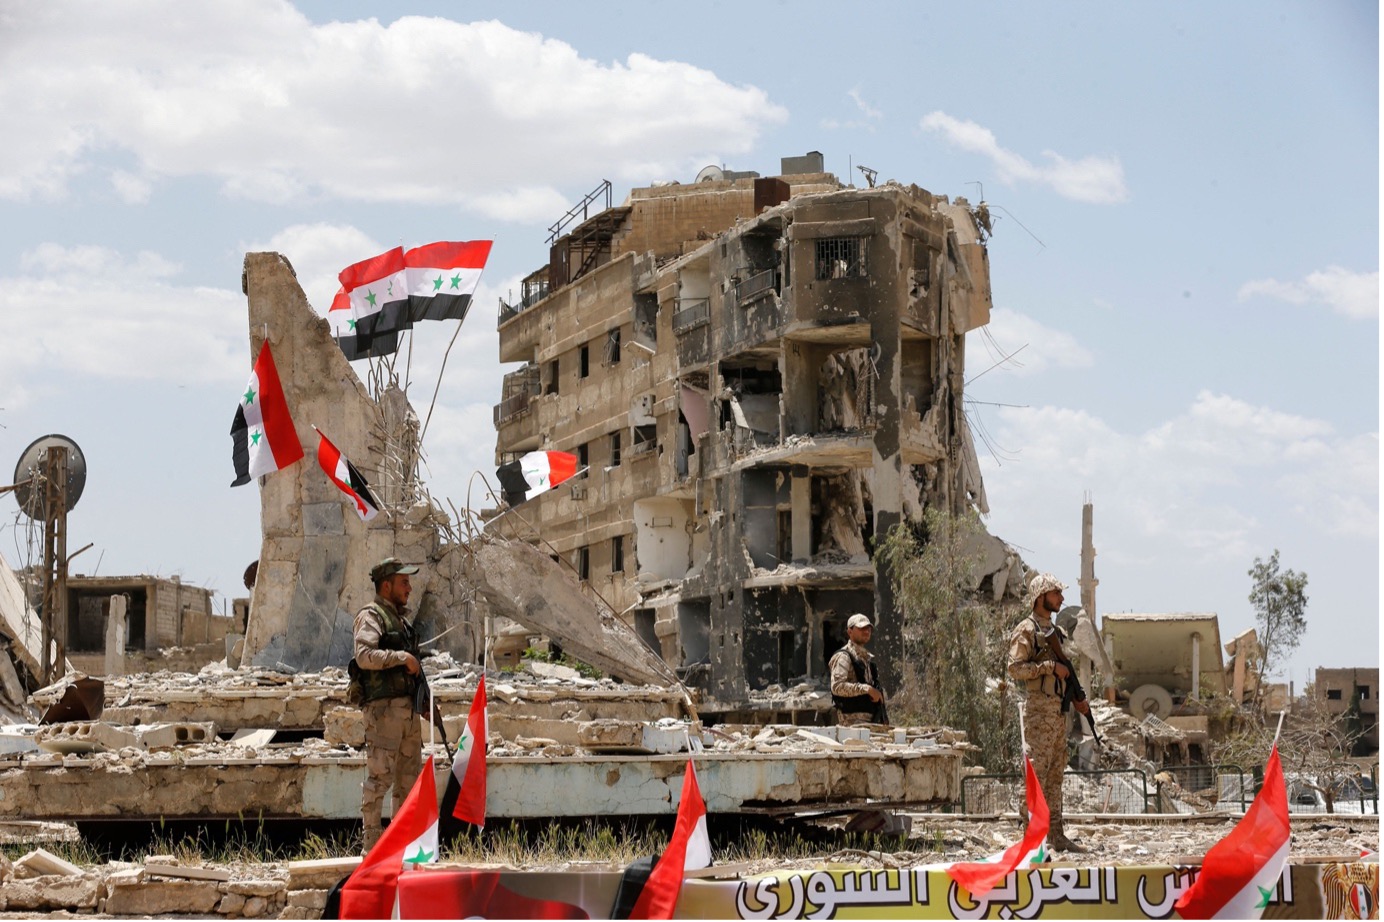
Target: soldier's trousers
<point>393,758</point>
<point>1045,743</point>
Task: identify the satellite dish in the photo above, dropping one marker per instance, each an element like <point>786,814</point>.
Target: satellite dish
<point>32,464</point>
<point>711,173</point>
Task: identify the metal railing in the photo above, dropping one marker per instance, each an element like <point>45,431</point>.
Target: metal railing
<point>691,313</point>
<point>512,407</point>
<point>1123,790</point>
<point>755,286</point>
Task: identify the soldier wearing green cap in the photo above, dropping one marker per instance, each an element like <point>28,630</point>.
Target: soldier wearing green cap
<point>383,679</point>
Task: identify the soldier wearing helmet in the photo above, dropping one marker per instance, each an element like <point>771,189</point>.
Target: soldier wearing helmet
<point>1045,725</point>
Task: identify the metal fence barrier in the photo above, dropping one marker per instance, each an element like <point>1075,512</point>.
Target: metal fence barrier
<point>1123,790</point>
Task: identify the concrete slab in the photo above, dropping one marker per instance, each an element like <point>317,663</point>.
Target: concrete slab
<point>300,786</point>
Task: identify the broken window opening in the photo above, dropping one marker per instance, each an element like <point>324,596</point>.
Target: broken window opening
<point>1333,694</point>
<point>584,362</point>
<point>840,258</point>
<point>846,391</point>
<point>615,449</point>
<point>584,563</point>
<point>646,320</point>
<point>1362,692</point>
<point>550,378</point>
<point>612,348</point>
<point>645,621</point>
<point>617,554</point>
<point>583,459</point>
<point>644,439</point>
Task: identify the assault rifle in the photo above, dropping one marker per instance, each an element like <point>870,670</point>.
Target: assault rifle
<point>1072,692</point>
<point>424,705</point>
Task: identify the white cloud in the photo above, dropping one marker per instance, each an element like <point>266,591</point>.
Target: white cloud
<point>1097,180</point>
<point>1187,494</point>
<point>318,253</point>
<point>1352,294</point>
<point>868,119</point>
<point>92,311</point>
<point>1034,347</point>
<point>423,110</point>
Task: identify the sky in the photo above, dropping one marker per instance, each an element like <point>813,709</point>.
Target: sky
<point>1185,263</point>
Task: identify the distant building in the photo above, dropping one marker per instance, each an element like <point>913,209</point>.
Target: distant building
<point>1358,689</point>
<point>761,376</point>
<point>160,614</point>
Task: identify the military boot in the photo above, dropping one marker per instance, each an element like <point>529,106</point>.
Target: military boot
<point>1057,838</point>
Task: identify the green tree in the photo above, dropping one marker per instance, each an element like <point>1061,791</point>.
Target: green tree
<point>953,644</point>
<point>1280,612</point>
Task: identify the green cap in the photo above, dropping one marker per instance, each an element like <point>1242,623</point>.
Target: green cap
<point>390,566</point>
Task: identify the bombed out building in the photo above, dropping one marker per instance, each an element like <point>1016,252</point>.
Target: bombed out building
<point>760,375</point>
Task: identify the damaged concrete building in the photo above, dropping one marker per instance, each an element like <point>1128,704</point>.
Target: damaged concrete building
<point>760,375</point>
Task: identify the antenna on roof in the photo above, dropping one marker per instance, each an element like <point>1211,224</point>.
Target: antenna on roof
<point>869,174</point>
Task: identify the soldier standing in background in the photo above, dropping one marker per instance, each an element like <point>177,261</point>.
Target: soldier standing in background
<point>855,677</point>
<point>1045,725</point>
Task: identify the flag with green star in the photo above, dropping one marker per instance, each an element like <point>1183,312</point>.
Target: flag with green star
<point>342,324</point>
<point>263,438</point>
<point>442,277</point>
<point>1240,874</point>
<point>377,289</point>
<point>408,841</point>
<point>464,797</point>
<point>980,877</point>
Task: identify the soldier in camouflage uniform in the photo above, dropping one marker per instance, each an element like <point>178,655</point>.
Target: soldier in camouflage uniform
<point>1045,725</point>
<point>855,688</point>
<point>385,668</point>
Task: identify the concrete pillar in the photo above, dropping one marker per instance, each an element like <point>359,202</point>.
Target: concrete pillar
<point>801,496</point>
<point>1196,665</point>
<point>116,631</point>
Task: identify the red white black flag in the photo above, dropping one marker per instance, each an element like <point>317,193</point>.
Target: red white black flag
<point>349,480</point>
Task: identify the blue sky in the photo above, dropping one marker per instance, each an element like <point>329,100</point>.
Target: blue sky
<point>1187,248</point>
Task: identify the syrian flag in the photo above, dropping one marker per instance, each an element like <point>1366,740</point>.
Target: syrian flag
<point>688,850</point>
<point>369,893</point>
<point>263,439</point>
<point>344,474</point>
<point>442,277</point>
<point>464,798</point>
<point>534,473</point>
<point>980,877</point>
<point>1240,873</point>
<point>343,327</point>
<point>377,289</point>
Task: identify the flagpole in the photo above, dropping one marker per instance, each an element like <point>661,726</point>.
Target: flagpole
<point>1281,714</point>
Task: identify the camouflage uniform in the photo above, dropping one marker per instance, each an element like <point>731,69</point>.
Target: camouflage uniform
<point>844,682</point>
<point>1045,726</point>
<point>393,735</point>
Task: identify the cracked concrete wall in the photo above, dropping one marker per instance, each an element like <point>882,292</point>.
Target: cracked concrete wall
<point>315,553</point>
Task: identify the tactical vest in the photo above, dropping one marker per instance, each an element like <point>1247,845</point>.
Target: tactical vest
<point>1043,684</point>
<point>866,673</point>
<point>394,682</point>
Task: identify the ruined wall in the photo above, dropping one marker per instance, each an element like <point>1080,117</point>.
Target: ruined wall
<point>316,554</point>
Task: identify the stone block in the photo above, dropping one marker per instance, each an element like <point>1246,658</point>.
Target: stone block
<point>40,862</point>
<point>345,726</point>
<point>50,892</point>
<point>319,872</point>
<point>254,907</point>
<point>164,869</point>
<point>630,736</point>
<point>308,899</point>
<point>162,897</point>
<point>268,887</point>
<point>171,735</point>
<point>231,904</point>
